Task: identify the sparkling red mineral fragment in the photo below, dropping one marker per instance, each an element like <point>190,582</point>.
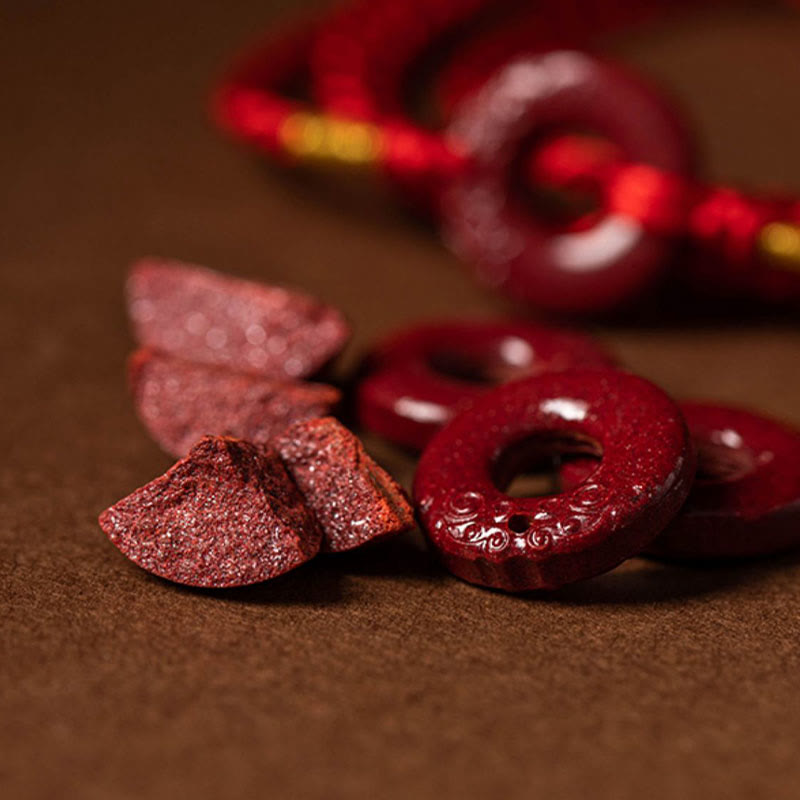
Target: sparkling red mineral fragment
<point>226,515</point>
<point>179,402</point>
<point>354,499</point>
<point>203,316</point>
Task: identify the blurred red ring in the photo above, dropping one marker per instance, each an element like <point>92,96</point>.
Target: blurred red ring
<point>593,268</point>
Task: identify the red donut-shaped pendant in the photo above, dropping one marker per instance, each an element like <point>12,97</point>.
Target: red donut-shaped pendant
<point>417,379</point>
<point>488,537</point>
<point>745,500</point>
<point>587,268</point>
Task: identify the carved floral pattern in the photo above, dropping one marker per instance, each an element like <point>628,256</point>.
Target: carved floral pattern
<point>474,520</point>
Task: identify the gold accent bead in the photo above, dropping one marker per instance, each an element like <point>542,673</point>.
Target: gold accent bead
<point>318,137</point>
<point>780,243</point>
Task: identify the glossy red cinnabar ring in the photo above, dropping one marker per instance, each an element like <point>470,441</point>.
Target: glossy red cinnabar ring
<point>746,498</point>
<point>487,537</point>
<point>587,268</point>
<point>417,379</point>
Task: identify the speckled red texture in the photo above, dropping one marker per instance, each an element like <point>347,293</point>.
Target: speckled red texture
<point>204,316</point>
<point>575,471</point>
<point>746,498</point>
<point>180,402</point>
<point>354,499</point>
<point>487,537</point>
<point>419,378</point>
<point>226,515</point>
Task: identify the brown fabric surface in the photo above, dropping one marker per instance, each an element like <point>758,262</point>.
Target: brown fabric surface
<point>372,674</point>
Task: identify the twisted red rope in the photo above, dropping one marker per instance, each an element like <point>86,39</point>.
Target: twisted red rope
<point>358,62</point>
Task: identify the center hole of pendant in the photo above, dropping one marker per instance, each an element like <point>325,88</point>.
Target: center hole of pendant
<point>721,463</point>
<point>536,177</point>
<point>543,465</point>
<point>463,367</point>
<point>497,359</point>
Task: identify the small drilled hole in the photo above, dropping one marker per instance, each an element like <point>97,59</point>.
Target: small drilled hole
<point>519,523</point>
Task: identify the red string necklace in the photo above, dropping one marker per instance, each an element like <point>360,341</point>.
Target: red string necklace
<point>518,102</point>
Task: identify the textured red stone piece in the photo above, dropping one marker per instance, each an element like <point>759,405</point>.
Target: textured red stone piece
<point>746,498</point>
<point>354,499</point>
<point>180,402</point>
<point>419,378</point>
<point>204,316</point>
<point>587,268</point>
<point>226,515</point>
<point>487,537</point>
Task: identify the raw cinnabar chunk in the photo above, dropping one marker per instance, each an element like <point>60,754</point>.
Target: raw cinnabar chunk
<point>226,515</point>
<point>354,499</point>
<point>204,316</point>
<point>180,402</point>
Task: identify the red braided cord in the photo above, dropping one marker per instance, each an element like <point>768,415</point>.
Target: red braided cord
<point>359,60</point>
<point>718,219</point>
<point>250,102</point>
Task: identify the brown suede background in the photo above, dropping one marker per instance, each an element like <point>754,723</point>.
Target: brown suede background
<point>373,674</point>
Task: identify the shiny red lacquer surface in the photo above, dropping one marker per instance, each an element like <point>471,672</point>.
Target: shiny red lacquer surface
<point>226,515</point>
<point>417,379</point>
<point>745,500</point>
<point>200,315</point>
<point>487,537</point>
<point>354,499</point>
<point>179,402</point>
<point>590,268</point>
